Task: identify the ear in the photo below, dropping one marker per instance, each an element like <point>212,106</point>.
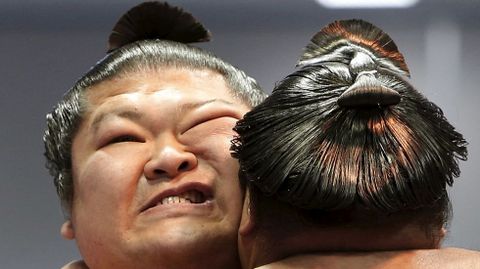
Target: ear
<point>441,236</point>
<point>443,233</point>
<point>247,222</point>
<point>67,231</point>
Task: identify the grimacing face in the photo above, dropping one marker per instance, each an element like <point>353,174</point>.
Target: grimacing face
<point>153,176</point>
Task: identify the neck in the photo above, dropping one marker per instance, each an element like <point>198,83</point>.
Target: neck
<point>264,247</point>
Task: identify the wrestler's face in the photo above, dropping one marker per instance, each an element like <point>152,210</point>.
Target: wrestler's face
<point>154,180</point>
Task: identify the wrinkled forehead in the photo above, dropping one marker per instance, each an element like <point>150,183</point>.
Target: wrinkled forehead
<point>191,82</point>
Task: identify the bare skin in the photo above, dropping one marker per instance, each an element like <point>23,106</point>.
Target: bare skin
<point>155,186</point>
<point>293,244</point>
<point>448,258</point>
<point>220,127</point>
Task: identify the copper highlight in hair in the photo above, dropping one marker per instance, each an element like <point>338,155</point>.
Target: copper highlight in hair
<point>357,32</point>
<point>305,147</point>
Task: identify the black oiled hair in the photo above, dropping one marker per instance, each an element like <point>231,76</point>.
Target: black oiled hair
<point>147,38</point>
<point>301,147</point>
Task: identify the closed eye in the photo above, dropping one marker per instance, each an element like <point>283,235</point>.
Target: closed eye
<point>124,139</point>
<point>202,122</point>
<point>211,119</point>
<point>211,126</point>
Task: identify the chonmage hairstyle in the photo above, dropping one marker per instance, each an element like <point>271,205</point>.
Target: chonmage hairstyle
<point>150,36</point>
<point>347,131</point>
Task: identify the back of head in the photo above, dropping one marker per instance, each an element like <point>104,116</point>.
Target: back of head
<point>346,140</point>
<point>149,37</point>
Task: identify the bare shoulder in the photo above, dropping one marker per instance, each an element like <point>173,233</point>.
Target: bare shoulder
<point>447,258</point>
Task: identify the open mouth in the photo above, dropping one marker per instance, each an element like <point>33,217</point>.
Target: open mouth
<point>190,196</point>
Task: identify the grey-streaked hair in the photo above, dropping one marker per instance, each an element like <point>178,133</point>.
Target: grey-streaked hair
<point>64,120</point>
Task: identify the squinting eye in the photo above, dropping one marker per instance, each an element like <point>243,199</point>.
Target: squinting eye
<point>124,138</point>
<point>212,126</point>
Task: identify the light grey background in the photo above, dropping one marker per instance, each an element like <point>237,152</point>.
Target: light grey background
<point>46,45</point>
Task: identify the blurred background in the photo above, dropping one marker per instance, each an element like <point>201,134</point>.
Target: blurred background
<point>46,45</point>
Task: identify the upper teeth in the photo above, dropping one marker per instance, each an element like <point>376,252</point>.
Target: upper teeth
<point>186,197</point>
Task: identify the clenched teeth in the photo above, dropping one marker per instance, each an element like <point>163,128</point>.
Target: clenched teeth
<point>192,197</point>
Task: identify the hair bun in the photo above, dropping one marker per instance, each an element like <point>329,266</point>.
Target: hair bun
<point>346,36</point>
<point>156,20</point>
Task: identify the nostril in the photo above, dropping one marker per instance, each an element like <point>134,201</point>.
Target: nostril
<point>169,164</point>
<point>183,166</point>
<point>159,172</point>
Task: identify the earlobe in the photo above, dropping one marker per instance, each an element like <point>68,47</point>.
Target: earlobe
<point>67,230</point>
<point>441,236</point>
<point>247,222</point>
<point>443,233</point>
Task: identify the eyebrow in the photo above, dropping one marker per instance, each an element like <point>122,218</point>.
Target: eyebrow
<point>133,114</point>
<point>191,106</point>
<point>123,112</point>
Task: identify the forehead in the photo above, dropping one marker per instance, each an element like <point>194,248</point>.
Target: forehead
<point>185,84</point>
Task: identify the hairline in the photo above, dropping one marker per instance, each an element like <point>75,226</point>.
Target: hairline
<point>63,125</point>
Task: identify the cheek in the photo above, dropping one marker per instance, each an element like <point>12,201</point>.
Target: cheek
<point>230,201</point>
<point>212,143</point>
<point>105,186</point>
<point>215,150</point>
<point>103,206</point>
<point>230,194</point>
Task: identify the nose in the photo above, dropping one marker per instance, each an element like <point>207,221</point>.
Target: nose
<point>169,160</point>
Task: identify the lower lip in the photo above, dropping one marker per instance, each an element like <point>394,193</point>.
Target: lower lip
<point>178,210</point>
